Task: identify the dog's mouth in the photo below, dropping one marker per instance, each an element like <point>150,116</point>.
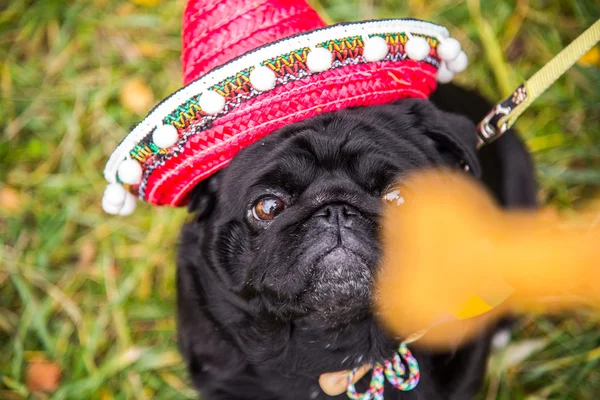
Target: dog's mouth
<point>340,287</point>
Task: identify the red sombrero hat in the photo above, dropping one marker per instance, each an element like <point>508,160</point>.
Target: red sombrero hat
<point>253,66</point>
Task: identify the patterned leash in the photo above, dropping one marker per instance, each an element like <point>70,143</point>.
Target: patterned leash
<point>504,115</point>
<point>402,371</point>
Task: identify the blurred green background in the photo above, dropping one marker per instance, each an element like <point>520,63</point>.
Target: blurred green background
<point>87,300</point>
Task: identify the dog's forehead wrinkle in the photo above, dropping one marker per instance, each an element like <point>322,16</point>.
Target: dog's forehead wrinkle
<point>332,194</point>
<point>337,144</point>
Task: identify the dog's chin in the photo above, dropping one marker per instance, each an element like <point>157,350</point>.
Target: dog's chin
<point>340,290</point>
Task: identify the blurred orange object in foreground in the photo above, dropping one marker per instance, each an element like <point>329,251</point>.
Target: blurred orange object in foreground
<point>454,262</point>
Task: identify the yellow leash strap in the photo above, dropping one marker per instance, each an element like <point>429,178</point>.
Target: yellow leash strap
<point>504,115</point>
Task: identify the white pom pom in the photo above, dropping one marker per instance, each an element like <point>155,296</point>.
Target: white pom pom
<point>444,75</point>
<point>417,48</point>
<point>459,63</point>
<point>448,49</point>
<point>263,78</point>
<point>130,172</point>
<point>114,194</point>
<point>165,136</point>
<point>212,102</point>
<point>376,48</point>
<point>113,198</point>
<point>109,208</point>
<point>129,205</point>
<point>319,59</point>
<point>117,200</point>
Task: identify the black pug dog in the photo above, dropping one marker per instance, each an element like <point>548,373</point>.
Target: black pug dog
<point>275,270</point>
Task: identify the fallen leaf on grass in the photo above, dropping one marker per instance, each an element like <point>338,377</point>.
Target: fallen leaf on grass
<point>106,394</point>
<point>146,3</point>
<point>87,253</point>
<point>125,9</point>
<point>591,58</point>
<point>149,49</point>
<point>137,96</point>
<point>42,376</point>
<point>10,199</point>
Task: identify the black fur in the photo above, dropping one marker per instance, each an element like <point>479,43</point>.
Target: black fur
<point>265,308</point>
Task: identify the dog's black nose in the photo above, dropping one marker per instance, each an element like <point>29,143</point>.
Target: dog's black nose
<point>337,214</point>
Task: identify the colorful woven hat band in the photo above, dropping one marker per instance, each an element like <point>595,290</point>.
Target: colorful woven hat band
<point>198,130</point>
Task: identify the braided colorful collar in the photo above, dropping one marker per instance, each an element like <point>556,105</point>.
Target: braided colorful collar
<point>402,372</point>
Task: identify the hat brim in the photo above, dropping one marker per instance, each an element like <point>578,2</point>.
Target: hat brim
<point>206,142</point>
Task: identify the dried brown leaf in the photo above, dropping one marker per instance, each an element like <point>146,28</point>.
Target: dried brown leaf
<point>149,49</point>
<point>146,3</point>
<point>87,253</point>
<point>42,376</point>
<point>137,96</point>
<point>591,58</point>
<point>10,199</point>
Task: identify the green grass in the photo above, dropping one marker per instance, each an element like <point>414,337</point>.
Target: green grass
<point>95,294</point>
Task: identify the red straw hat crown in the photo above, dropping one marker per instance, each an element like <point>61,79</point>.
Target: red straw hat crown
<point>215,31</point>
<point>254,66</point>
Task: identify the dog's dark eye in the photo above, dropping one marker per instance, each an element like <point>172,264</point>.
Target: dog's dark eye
<point>268,208</point>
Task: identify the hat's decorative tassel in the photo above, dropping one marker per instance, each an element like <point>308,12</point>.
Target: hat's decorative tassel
<point>395,372</point>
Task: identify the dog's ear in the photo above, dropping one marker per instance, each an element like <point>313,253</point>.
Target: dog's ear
<point>203,198</point>
<point>455,136</point>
